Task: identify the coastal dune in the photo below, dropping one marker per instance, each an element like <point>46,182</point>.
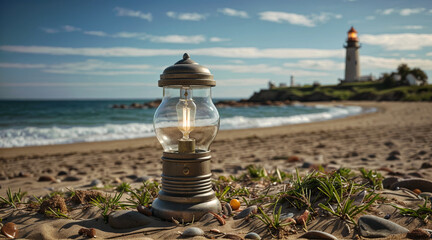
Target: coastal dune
<point>396,140</point>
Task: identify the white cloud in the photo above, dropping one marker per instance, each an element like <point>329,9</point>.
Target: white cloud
<point>236,61</point>
<point>410,11</point>
<point>411,27</point>
<point>243,82</point>
<point>178,39</point>
<point>298,19</point>
<point>234,13</point>
<point>69,28</point>
<point>21,65</point>
<point>96,33</point>
<point>275,53</point>
<point>370,18</point>
<point>88,67</point>
<point>129,35</point>
<point>403,41</point>
<point>187,16</point>
<point>267,69</point>
<point>132,13</point>
<point>402,12</point>
<point>317,65</point>
<point>429,54</point>
<point>217,39</point>
<point>49,30</point>
<point>386,11</point>
<point>370,62</point>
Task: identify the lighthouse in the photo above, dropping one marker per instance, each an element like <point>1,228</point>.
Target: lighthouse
<point>352,64</point>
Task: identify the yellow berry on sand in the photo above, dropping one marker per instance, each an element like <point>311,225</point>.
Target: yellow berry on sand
<point>235,204</point>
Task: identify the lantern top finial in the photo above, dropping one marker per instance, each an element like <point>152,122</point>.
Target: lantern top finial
<point>186,72</point>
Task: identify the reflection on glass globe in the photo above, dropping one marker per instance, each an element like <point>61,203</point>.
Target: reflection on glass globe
<point>186,113</point>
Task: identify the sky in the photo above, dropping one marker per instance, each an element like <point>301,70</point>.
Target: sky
<point>94,49</point>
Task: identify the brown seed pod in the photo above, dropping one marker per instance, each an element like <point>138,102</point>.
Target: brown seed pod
<point>219,218</point>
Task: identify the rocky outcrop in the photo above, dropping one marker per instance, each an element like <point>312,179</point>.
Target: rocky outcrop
<point>152,104</point>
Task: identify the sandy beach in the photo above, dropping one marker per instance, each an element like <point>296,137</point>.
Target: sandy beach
<point>396,140</point>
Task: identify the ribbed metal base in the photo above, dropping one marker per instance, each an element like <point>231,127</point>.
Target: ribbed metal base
<point>184,212</point>
<point>186,193</point>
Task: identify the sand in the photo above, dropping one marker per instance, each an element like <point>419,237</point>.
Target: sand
<point>360,141</point>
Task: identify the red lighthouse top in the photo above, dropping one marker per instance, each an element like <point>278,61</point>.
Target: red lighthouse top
<point>352,35</point>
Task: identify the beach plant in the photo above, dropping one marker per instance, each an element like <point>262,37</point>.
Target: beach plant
<point>303,193</point>
<point>373,177</point>
<point>57,213</point>
<point>139,197</point>
<point>274,222</point>
<point>124,187</point>
<point>256,172</point>
<point>12,199</point>
<point>341,192</point>
<point>107,204</point>
<point>424,212</point>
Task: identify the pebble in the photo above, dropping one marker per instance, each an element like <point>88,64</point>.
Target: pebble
<point>389,181</point>
<point>248,211</point>
<point>314,234</point>
<point>252,235</point>
<point>302,219</point>
<point>192,232</point>
<point>284,216</point>
<point>143,179</point>
<point>387,216</point>
<point>374,227</point>
<point>426,195</point>
<point>416,191</point>
<point>124,219</point>
<point>228,209</point>
<point>10,230</point>
<point>359,198</point>
<point>144,210</point>
<point>46,179</point>
<point>96,183</point>
<point>62,173</point>
<point>426,165</point>
<point>71,179</point>
<point>392,158</point>
<point>306,165</point>
<point>24,174</point>
<point>89,232</point>
<point>418,233</point>
<point>420,183</point>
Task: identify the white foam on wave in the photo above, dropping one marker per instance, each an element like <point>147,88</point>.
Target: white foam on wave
<point>332,112</point>
<point>32,136</point>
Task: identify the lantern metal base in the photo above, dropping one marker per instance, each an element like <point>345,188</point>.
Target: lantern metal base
<point>184,212</point>
<point>186,193</point>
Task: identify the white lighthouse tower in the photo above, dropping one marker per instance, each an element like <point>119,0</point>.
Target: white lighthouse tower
<point>352,64</point>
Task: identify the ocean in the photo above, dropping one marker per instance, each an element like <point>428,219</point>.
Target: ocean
<point>31,123</point>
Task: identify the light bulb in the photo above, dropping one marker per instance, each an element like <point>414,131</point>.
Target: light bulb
<point>186,111</point>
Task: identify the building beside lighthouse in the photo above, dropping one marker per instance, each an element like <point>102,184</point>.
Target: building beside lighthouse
<point>352,63</point>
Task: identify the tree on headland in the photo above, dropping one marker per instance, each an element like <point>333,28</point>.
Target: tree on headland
<point>403,71</point>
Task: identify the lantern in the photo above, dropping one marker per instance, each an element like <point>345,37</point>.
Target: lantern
<point>186,123</point>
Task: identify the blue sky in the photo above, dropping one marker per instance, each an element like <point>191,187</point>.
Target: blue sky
<point>117,49</point>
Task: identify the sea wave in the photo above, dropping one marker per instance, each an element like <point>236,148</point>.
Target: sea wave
<point>32,136</point>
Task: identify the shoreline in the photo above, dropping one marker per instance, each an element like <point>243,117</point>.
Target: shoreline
<point>394,144</point>
<point>79,147</point>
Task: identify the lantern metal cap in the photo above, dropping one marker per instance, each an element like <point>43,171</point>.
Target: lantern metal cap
<point>186,72</point>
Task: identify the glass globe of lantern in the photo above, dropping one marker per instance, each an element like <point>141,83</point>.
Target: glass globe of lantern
<point>187,112</point>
